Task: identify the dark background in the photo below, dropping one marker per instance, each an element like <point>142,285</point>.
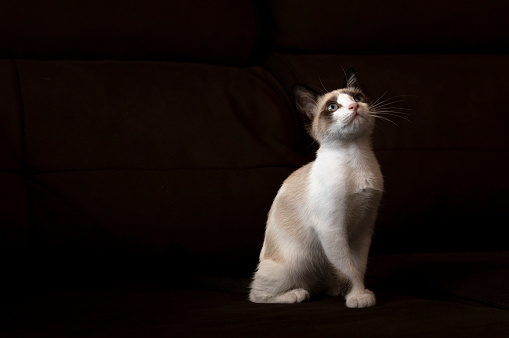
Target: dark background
<point>142,143</point>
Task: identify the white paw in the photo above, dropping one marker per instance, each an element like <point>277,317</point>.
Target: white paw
<point>361,299</point>
<point>293,296</point>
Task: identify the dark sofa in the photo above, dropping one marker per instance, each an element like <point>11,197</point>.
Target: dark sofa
<point>142,143</point>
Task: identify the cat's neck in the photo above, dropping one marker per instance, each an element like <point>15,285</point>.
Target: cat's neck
<point>353,149</point>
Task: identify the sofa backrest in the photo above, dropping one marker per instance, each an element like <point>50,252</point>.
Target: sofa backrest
<point>394,27</point>
<point>165,128</point>
<point>220,32</point>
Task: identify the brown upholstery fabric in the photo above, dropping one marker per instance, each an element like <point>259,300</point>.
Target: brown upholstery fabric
<point>375,27</point>
<point>224,32</point>
<point>142,144</point>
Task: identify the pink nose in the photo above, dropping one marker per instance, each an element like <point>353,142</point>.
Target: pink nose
<point>354,107</point>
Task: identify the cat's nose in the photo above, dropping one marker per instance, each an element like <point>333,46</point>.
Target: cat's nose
<point>353,106</point>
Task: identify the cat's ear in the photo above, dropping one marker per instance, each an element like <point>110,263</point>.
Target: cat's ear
<point>305,100</point>
<point>350,80</point>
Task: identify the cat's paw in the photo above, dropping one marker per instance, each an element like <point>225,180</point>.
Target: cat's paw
<point>293,296</point>
<point>362,299</point>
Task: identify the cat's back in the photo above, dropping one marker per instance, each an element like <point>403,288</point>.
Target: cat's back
<point>290,201</point>
<point>297,183</point>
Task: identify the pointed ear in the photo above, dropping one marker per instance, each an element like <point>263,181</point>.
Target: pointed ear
<point>305,100</point>
<point>350,80</point>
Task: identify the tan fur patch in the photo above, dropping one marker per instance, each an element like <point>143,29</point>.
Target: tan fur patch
<point>272,252</point>
<point>284,213</point>
<point>288,204</point>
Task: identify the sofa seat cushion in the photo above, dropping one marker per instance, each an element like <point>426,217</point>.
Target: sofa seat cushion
<point>149,311</point>
<point>453,294</point>
<point>482,278</point>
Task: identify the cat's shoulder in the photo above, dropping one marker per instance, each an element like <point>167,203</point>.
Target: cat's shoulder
<point>297,182</point>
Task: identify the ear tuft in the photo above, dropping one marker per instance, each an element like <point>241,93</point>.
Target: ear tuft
<point>305,100</point>
<point>350,80</point>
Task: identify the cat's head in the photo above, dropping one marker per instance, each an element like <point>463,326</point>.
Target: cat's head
<point>341,115</point>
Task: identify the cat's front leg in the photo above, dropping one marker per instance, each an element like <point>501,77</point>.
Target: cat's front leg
<point>337,249</point>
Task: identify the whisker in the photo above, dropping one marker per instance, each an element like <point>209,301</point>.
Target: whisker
<point>313,142</point>
<point>389,98</point>
<point>383,101</point>
<point>374,102</point>
<point>344,72</point>
<point>376,111</point>
<point>397,108</point>
<point>391,111</point>
<point>391,114</point>
<point>380,128</point>
<point>385,104</point>
<point>383,109</point>
<point>323,85</point>
<point>396,96</point>
<point>386,119</point>
<point>310,145</point>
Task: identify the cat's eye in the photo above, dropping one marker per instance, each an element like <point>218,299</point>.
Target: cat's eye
<point>358,98</point>
<point>333,107</point>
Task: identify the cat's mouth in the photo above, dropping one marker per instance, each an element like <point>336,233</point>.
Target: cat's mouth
<point>355,116</point>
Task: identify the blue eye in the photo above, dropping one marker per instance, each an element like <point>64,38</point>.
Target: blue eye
<point>333,107</point>
<point>358,98</point>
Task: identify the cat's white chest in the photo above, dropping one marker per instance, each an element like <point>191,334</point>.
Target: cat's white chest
<point>339,173</point>
<point>342,187</point>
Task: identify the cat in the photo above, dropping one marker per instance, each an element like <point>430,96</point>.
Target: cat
<point>320,224</point>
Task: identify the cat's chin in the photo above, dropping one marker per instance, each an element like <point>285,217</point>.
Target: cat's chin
<point>358,126</point>
<point>355,118</point>
<point>362,124</point>
<point>358,120</point>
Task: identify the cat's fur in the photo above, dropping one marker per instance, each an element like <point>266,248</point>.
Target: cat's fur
<point>320,225</point>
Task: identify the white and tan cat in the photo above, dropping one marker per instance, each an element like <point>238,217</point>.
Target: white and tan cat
<point>320,225</point>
